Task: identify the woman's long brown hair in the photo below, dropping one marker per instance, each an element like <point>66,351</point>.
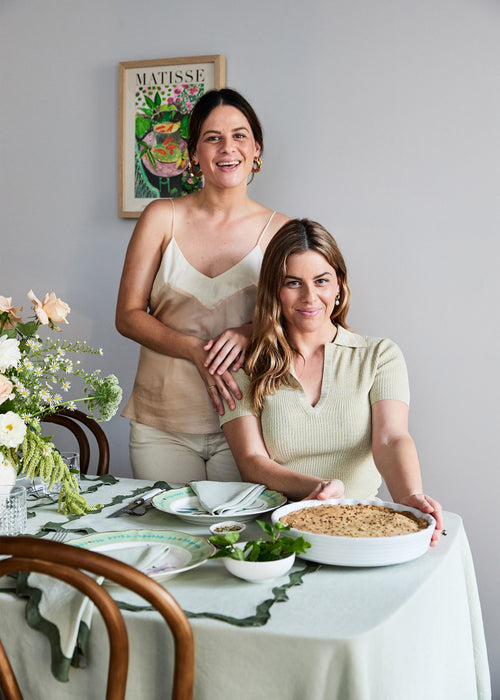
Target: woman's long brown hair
<point>269,354</point>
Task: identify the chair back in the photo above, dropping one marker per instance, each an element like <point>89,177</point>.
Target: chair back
<point>64,562</point>
<point>72,420</point>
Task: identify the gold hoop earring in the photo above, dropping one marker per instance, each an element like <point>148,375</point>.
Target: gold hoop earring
<point>192,171</point>
<point>257,165</point>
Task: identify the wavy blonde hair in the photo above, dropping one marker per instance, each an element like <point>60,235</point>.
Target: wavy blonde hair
<point>269,354</point>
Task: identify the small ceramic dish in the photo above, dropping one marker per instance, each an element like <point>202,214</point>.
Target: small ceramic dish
<point>257,571</point>
<point>227,526</point>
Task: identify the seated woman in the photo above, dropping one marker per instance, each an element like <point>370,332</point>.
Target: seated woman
<point>324,409</point>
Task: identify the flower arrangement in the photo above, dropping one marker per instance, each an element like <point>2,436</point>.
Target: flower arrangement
<point>35,373</point>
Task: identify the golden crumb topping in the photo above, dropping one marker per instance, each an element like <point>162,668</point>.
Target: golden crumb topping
<point>354,520</point>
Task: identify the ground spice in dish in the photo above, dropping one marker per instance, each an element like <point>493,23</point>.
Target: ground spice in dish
<point>359,520</point>
<point>227,528</point>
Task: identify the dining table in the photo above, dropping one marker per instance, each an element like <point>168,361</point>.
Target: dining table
<point>320,632</point>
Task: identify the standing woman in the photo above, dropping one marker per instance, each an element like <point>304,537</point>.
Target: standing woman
<point>187,295</point>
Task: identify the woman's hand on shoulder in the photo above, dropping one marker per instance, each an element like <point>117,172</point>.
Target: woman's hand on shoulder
<point>227,350</point>
<point>219,385</point>
<point>427,505</point>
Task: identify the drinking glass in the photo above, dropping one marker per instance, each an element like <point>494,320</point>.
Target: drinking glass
<point>72,461</point>
<point>13,517</point>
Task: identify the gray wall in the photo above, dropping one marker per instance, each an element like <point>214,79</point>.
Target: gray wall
<point>381,121</point>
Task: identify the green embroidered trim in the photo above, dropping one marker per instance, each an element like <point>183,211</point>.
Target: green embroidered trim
<point>60,665</point>
<point>118,500</point>
<point>99,483</point>
<point>262,611</point>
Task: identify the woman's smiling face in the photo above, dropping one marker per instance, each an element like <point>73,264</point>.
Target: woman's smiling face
<point>308,292</point>
<point>226,148</point>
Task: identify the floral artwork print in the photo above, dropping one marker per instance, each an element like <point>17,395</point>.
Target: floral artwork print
<point>162,115</point>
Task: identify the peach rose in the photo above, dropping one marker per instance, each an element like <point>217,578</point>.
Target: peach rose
<point>50,310</point>
<point>40,312</point>
<point>6,306</point>
<point>56,309</point>
<point>5,389</point>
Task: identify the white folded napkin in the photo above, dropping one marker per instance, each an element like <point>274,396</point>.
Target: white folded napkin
<point>226,497</point>
<point>140,555</point>
<point>67,608</point>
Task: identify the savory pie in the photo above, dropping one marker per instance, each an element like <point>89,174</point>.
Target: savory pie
<point>359,520</point>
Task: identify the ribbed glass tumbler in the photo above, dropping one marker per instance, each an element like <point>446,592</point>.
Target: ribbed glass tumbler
<point>13,517</point>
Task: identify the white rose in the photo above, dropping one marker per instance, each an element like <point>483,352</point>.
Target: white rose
<point>12,429</point>
<point>9,352</point>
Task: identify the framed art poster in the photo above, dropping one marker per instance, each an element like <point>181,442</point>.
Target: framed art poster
<point>155,101</point>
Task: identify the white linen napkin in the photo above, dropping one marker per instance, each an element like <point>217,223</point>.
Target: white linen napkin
<point>67,608</point>
<point>226,497</point>
<point>141,555</point>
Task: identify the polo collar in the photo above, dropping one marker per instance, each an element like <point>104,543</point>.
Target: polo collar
<point>348,339</point>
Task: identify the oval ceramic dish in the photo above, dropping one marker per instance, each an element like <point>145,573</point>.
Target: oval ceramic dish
<point>361,551</point>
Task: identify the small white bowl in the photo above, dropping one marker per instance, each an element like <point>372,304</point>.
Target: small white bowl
<point>226,526</point>
<point>257,571</point>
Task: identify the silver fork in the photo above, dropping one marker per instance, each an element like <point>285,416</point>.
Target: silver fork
<point>59,536</point>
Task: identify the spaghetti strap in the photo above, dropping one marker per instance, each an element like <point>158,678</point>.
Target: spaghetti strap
<point>173,220</point>
<point>265,228</point>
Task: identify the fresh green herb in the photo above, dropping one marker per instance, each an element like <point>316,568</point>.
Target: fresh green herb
<point>276,547</point>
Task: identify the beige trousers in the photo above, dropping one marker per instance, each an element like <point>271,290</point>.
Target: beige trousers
<point>180,457</point>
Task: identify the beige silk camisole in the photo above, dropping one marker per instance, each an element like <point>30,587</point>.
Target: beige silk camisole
<point>168,392</point>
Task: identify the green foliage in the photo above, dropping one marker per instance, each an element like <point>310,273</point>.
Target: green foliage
<point>142,126</point>
<point>274,547</point>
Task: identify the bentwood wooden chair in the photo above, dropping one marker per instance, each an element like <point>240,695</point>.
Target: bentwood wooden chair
<point>64,562</point>
<point>72,420</point>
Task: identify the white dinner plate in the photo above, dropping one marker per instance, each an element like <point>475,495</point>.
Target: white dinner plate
<point>184,551</point>
<point>361,551</point>
<point>185,505</point>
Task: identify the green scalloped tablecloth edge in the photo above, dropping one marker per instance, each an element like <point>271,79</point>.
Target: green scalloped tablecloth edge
<point>96,485</point>
<point>262,611</point>
<point>60,664</point>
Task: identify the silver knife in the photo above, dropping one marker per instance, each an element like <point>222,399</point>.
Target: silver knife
<point>144,501</point>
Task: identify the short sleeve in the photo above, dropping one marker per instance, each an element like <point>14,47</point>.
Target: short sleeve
<point>391,375</point>
<point>242,406</point>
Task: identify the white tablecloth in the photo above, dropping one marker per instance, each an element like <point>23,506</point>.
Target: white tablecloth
<point>408,631</point>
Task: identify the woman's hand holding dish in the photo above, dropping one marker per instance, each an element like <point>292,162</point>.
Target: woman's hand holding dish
<point>426,504</point>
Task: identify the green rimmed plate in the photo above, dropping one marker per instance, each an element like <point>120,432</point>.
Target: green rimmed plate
<point>185,505</point>
<point>185,551</point>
